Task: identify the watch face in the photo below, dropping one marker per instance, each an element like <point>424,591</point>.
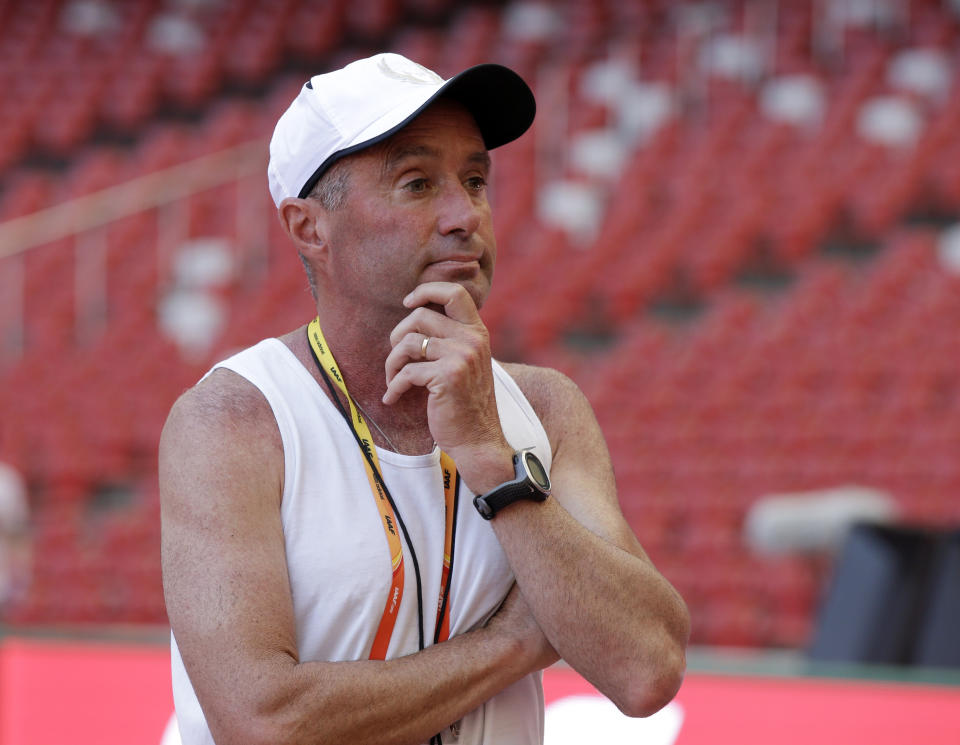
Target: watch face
<point>535,469</point>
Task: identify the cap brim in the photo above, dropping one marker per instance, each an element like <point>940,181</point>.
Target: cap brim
<point>500,101</point>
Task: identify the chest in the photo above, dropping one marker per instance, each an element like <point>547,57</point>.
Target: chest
<point>339,560</point>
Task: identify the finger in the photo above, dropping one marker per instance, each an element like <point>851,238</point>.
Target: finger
<point>423,321</point>
<point>410,349</point>
<point>410,375</point>
<point>456,301</point>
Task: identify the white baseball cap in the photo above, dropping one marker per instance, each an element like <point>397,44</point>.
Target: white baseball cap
<point>346,110</point>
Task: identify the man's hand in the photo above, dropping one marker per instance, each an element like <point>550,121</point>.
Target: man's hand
<point>514,618</point>
<point>457,373</point>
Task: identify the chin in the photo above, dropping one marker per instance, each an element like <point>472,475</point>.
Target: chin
<point>477,284</point>
<point>478,289</point>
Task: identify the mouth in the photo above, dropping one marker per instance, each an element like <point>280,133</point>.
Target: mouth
<point>456,266</point>
<point>472,261</point>
<point>464,258</point>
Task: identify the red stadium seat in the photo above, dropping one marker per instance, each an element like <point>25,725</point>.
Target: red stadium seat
<point>711,392</point>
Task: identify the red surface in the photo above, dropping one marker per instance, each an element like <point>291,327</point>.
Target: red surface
<point>721,709</point>
<point>83,694</point>
<point>105,694</point>
<point>817,711</point>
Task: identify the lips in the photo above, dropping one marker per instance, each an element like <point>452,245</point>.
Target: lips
<point>455,268</point>
<point>458,259</point>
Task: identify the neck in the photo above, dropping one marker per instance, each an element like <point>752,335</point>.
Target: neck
<point>360,349</point>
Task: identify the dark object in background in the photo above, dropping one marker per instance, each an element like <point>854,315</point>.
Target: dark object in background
<point>939,641</point>
<point>894,599</point>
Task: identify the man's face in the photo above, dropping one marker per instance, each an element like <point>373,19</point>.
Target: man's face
<point>416,211</point>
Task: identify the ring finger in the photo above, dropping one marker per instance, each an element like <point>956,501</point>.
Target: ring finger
<point>414,347</point>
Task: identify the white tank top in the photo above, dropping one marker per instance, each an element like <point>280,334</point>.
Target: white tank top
<point>337,554</point>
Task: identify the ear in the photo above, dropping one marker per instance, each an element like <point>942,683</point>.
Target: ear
<point>299,218</point>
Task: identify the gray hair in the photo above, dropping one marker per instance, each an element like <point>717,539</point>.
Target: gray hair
<point>331,192</point>
<point>331,189</point>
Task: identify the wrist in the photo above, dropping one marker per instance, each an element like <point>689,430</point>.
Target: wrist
<point>485,469</point>
<point>530,482</point>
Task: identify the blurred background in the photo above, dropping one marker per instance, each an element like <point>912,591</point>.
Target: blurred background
<point>736,224</point>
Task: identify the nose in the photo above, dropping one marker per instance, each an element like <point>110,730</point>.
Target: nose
<point>461,211</point>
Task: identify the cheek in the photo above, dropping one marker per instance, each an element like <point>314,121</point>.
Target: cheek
<point>491,247</point>
<point>360,241</point>
<point>383,230</point>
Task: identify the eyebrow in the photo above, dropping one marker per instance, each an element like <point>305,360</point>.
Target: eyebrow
<point>480,157</point>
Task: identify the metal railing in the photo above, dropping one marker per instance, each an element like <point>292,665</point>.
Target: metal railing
<point>85,220</point>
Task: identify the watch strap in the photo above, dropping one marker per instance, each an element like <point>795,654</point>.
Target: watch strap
<point>503,496</point>
<point>520,488</point>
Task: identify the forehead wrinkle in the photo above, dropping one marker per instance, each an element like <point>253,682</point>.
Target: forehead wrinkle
<point>397,154</point>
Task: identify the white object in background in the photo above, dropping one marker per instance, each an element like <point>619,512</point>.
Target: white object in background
<point>530,21</point>
<point>732,56</point>
<point>14,509</point>
<point>191,313</point>
<point>794,99</point>
<point>203,263</point>
<point>924,71</point>
<point>16,552</point>
<point>815,520</point>
<point>583,720</point>
<point>949,249</point>
<point>598,153</point>
<point>606,81</point>
<point>89,18</point>
<point>175,34</point>
<point>643,109</point>
<point>573,207</point>
<point>861,13</point>
<point>889,120</point>
<point>192,319</point>
<point>192,6</point>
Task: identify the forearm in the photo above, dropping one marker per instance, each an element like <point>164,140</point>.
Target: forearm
<point>606,611</point>
<point>396,702</point>
<point>400,701</point>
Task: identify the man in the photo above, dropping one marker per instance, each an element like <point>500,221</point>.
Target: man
<point>320,589</point>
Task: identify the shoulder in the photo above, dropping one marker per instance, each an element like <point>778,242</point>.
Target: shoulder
<point>543,384</point>
<point>223,400</point>
<point>556,399</point>
<point>222,423</point>
<point>581,471</point>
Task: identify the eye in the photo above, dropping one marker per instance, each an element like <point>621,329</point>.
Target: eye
<point>476,183</point>
<point>417,185</point>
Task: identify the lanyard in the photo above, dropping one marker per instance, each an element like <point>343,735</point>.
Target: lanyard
<point>389,515</point>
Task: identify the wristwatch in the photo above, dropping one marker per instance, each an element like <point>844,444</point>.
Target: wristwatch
<point>531,482</point>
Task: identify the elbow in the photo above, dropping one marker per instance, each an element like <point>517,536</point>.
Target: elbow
<point>258,723</point>
<point>252,734</point>
<point>653,689</point>
<point>251,730</point>
<point>655,683</point>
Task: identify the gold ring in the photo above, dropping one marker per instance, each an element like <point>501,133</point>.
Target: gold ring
<point>423,347</point>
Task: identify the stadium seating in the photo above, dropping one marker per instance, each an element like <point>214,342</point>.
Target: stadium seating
<point>760,308</point>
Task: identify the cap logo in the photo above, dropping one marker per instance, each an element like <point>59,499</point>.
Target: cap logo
<point>410,73</point>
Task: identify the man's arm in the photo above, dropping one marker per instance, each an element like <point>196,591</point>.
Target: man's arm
<point>230,608</point>
<point>609,613</point>
<point>601,603</point>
